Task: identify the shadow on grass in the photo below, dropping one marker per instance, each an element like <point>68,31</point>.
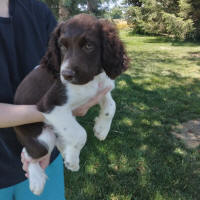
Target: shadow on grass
<point>145,63</point>
<point>140,159</point>
<point>164,39</point>
<point>172,41</point>
<point>194,56</point>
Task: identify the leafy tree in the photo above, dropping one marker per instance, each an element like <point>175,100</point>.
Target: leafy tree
<point>161,17</point>
<point>53,5</point>
<point>92,6</point>
<point>169,6</point>
<point>66,8</point>
<point>185,9</point>
<point>116,13</point>
<point>133,2</point>
<point>195,16</point>
<point>71,7</point>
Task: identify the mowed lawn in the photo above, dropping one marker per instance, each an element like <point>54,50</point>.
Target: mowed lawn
<point>140,159</point>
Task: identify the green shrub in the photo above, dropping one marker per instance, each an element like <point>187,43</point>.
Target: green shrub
<point>153,20</point>
<point>134,19</point>
<point>177,26</point>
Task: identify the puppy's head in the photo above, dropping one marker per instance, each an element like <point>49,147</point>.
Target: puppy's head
<point>83,47</point>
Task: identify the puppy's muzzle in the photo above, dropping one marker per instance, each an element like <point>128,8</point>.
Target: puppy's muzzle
<point>68,74</point>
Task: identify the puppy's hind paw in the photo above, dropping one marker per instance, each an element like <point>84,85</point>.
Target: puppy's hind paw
<point>37,180</point>
<point>37,184</point>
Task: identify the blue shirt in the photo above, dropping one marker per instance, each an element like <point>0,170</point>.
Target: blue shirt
<point>23,41</point>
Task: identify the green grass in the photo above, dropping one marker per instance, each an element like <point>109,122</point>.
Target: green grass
<point>140,159</point>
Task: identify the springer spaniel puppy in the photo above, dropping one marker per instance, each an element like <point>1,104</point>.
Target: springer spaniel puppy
<point>82,52</point>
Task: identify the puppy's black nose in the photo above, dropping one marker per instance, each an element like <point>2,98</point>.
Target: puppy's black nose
<point>68,74</point>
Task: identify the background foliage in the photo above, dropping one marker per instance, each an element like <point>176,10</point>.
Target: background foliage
<point>179,19</point>
<point>71,7</point>
<point>172,17</point>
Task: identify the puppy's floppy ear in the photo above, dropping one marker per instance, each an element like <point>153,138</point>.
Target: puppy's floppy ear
<point>52,58</point>
<point>114,57</point>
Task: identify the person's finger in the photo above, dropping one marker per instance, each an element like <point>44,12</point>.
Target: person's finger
<point>25,163</point>
<point>44,162</point>
<point>100,85</point>
<point>82,110</point>
<point>25,166</point>
<point>22,159</point>
<point>95,100</point>
<point>105,91</point>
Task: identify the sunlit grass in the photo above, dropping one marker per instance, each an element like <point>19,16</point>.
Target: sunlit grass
<point>140,159</point>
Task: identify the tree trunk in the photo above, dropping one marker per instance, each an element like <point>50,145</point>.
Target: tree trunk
<point>92,6</point>
<point>63,11</point>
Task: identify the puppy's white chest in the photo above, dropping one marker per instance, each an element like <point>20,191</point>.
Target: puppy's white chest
<point>80,94</point>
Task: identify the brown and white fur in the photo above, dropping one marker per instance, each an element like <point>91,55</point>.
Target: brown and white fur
<point>83,52</point>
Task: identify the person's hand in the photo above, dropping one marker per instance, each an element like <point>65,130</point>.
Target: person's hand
<point>83,109</point>
<point>44,162</point>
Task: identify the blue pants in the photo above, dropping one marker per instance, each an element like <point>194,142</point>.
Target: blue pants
<point>53,190</point>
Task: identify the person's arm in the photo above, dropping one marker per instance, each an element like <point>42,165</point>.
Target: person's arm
<point>82,110</point>
<point>15,115</point>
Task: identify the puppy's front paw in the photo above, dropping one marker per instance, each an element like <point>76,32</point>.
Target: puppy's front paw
<point>71,159</point>
<point>72,166</point>
<point>101,129</point>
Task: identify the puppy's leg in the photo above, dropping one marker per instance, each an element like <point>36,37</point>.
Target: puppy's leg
<point>104,120</point>
<point>37,176</point>
<point>71,139</point>
<point>71,136</point>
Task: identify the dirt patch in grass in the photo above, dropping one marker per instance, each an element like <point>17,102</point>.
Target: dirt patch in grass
<point>195,54</point>
<point>189,132</point>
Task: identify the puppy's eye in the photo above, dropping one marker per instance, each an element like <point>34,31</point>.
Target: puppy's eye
<point>63,48</point>
<point>88,47</point>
